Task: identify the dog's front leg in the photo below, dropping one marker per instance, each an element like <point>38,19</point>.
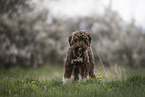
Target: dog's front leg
<point>83,73</point>
<point>68,76</point>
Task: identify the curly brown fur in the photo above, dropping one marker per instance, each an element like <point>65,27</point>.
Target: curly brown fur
<point>79,61</point>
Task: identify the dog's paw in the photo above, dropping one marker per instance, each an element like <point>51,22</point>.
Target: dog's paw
<point>66,80</point>
<point>81,79</point>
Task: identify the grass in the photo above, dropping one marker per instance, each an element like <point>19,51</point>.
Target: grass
<point>47,82</point>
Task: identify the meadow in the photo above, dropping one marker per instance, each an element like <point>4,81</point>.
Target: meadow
<point>114,81</point>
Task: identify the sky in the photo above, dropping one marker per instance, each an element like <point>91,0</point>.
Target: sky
<point>131,9</point>
<point>128,9</point>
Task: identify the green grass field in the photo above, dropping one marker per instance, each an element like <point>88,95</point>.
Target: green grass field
<point>47,82</point>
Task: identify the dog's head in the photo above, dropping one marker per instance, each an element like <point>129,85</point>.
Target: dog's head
<point>79,41</point>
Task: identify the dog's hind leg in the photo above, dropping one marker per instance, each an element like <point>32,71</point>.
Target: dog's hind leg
<point>76,73</point>
<point>68,68</point>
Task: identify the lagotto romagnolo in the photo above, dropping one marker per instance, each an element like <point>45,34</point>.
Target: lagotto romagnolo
<point>79,61</point>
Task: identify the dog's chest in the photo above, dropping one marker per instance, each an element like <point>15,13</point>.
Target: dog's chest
<point>77,60</point>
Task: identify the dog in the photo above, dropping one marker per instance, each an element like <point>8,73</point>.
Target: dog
<point>79,61</point>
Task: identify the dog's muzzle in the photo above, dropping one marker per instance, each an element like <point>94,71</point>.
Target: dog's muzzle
<point>77,60</point>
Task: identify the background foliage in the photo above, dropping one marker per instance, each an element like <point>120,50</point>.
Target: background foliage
<point>30,36</point>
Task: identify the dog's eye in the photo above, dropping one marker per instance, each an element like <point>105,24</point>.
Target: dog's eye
<point>86,41</point>
<point>83,38</point>
<point>75,40</point>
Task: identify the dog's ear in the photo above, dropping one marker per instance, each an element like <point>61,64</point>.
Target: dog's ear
<point>69,39</point>
<point>90,39</point>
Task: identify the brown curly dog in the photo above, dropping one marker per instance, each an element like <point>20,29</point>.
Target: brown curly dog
<point>79,61</point>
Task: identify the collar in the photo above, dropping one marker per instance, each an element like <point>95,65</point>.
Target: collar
<point>78,59</point>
